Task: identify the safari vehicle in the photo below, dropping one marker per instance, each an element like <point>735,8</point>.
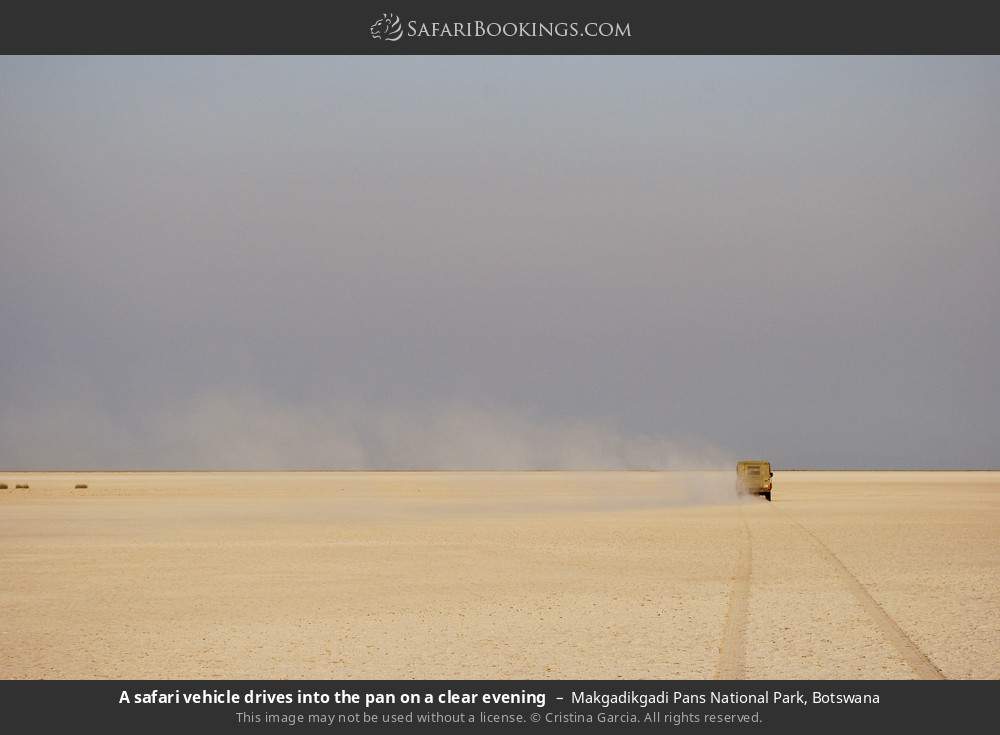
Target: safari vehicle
<point>754,476</point>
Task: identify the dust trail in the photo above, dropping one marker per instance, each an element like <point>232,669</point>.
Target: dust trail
<point>917,660</point>
<point>248,430</point>
<point>732,649</point>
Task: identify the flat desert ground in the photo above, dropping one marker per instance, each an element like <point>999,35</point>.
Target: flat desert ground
<point>499,575</point>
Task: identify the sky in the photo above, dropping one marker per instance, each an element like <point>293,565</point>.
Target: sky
<point>499,262</point>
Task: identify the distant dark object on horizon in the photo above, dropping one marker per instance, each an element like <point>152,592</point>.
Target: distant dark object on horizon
<point>79,486</point>
<point>20,487</point>
<point>3,485</point>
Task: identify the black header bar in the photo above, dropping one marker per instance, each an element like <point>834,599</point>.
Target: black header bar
<point>450,27</point>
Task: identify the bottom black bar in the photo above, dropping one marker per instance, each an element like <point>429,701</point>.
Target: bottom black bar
<point>273,706</point>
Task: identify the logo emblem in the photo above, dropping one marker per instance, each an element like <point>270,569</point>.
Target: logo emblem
<point>387,28</point>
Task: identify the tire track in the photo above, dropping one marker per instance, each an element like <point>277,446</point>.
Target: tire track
<point>733,647</point>
<point>916,659</point>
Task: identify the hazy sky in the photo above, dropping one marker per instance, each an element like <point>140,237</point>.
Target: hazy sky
<point>499,261</point>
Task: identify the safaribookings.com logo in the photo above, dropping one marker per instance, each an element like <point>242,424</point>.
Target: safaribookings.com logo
<point>390,28</point>
<point>387,28</point>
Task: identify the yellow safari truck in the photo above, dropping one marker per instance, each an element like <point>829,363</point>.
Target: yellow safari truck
<point>754,476</point>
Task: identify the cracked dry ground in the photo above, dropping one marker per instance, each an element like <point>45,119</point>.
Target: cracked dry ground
<point>499,575</point>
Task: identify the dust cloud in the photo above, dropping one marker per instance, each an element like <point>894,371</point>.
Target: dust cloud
<point>231,430</point>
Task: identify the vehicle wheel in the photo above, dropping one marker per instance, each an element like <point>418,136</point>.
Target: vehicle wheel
<point>767,496</point>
